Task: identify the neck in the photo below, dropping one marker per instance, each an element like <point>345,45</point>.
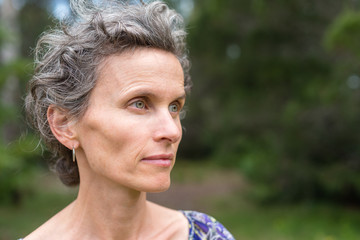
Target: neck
<point>108,211</point>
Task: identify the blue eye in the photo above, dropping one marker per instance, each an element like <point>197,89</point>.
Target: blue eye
<point>174,108</point>
<point>139,104</point>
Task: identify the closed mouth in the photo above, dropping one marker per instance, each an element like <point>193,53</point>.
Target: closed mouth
<point>159,157</point>
<point>162,160</point>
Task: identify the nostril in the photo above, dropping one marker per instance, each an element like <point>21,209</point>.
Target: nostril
<point>176,138</point>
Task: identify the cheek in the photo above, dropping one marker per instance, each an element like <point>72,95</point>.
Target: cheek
<point>111,137</point>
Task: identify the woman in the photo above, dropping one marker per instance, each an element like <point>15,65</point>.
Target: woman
<point>106,98</point>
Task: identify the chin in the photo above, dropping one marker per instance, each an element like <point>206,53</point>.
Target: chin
<point>158,186</point>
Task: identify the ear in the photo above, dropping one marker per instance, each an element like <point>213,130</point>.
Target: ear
<point>62,127</point>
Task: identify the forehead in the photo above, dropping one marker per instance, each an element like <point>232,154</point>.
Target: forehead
<point>140,68</point>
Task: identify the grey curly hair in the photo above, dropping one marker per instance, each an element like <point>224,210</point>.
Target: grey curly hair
<point>67,58</point>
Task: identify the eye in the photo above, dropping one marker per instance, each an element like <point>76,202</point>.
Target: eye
<point>173,108</point>
<point>138,104</point>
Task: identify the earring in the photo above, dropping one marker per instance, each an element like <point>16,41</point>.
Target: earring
<point>73,154</point>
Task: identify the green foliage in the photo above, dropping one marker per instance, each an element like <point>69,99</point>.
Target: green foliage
<point>290,222</point>
<point>17,167</point>
<point>344,32</point>
<point>21,68</point>
<point>20,152</point>
<point>34,19</point>
<point>270,101</point>
<point>19,157</point>
<point>2,34</point>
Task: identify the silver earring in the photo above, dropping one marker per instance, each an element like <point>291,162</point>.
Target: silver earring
<point>73,154</point>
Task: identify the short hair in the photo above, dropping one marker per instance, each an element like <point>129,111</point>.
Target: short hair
<point>67,60</point>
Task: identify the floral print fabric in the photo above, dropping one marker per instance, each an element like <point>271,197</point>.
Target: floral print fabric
<point>205,227</point>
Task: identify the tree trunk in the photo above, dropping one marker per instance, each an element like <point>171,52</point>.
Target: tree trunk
<point>9,93</point>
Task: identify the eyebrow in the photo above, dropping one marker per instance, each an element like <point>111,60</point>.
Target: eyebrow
<point>181,97</point>
<point>151,94</point>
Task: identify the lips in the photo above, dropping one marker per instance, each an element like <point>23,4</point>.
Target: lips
<point>162,160</point>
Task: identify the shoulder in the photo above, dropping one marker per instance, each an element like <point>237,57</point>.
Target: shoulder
<point>54,228</point>
<point>42,232</point>
<point>171,224</point>
<point>203,226</point>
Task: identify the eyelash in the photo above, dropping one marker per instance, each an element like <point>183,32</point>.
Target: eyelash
<point>138,101</point>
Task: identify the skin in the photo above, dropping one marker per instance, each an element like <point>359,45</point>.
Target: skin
<point>126,145</point>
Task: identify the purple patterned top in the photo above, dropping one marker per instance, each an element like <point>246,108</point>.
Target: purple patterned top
<point>205,227</point>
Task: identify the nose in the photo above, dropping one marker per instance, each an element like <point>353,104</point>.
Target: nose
<point>167,128</point>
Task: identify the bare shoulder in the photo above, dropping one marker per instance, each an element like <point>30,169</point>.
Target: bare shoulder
<point>50,229</point>
<point>167,214</point>
<point>172,223</point>
<point>39,233</point>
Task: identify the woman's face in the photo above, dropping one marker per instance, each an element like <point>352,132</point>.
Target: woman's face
<point>131,130</point>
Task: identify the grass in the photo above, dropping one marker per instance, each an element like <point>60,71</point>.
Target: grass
<point>291,222</point>
<point>244,219</point>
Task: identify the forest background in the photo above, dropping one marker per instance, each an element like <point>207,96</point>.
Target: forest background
<point>276,96</point>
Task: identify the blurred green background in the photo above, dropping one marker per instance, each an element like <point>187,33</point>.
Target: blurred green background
<point>273,119</point>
